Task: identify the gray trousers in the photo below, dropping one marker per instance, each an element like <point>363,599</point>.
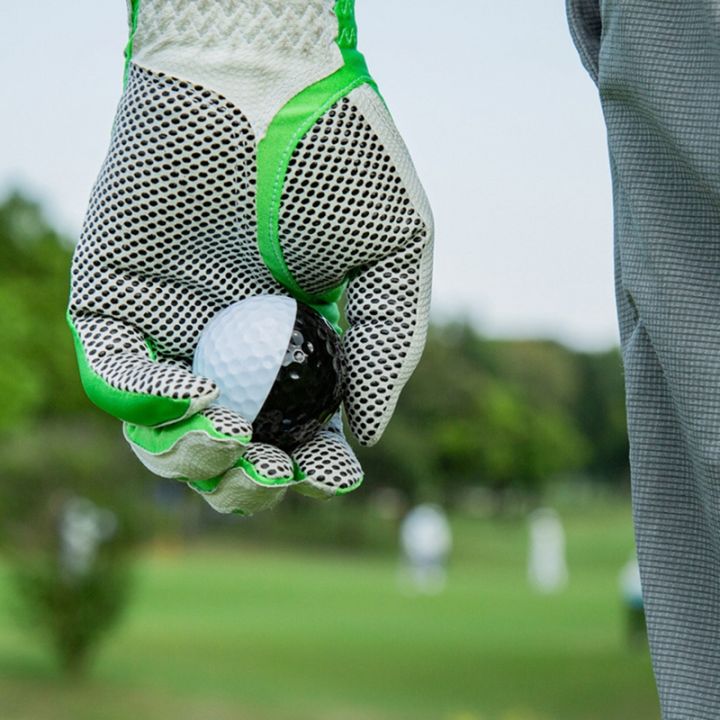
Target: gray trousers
<point>657,66</point>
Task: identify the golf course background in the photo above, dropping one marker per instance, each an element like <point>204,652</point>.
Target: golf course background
<point>241,631</point>
<point>299,614</point>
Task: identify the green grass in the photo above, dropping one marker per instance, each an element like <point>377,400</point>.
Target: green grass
<point>250,633</point>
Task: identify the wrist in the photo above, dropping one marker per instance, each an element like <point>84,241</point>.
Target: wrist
<point>293,28</point>
<point>256,53</point>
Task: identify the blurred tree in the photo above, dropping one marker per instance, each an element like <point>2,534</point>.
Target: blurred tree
<point>72,574</point>
<point>56,449</point>
<point>71,586</point>
<point>599,407</point>
<point>38,376</point>
<point>478,413</point>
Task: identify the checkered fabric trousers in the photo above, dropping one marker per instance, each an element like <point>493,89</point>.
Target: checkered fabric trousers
<point>657,66</point>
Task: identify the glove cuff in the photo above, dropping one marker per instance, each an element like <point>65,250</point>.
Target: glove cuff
<point>256,53</point>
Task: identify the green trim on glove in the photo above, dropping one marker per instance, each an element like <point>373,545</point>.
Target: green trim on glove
<point>206,486</point>
<point>250,470</point>
<point>163,439</point>
<point>331,312</point>
<point>136,408</point>
<point>275,150</point>
<point>347,27</point>
<point>134,11</point>
<point>210,485</point>
<point>354,486</point>
<point>300,477</point>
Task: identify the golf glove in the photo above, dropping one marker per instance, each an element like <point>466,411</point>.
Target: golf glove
<point>251,154</point>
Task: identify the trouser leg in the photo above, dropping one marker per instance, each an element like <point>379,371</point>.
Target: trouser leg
<point>674,536</point>
<point>657,65</point>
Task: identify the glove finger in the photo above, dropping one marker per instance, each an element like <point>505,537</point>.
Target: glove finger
<point>326,465</point>
<point>352,206</point>
<point>258,482</point>
<point>387,310</point>
<point>237,492</point>
<point>268,465</point>
<point>197,448</point>
<point>123,376</point>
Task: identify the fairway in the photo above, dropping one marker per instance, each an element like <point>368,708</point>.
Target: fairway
<point>245,632</point>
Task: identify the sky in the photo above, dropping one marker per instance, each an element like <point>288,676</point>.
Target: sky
<point>502,122</point>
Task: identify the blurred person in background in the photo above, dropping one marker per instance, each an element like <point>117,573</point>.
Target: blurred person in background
<point>657,67</point>
<point>426,540</point>
<point>251,154</point>
<point>547,565</point>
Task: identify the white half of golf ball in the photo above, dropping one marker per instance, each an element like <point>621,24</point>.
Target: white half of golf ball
<point>242,349</point>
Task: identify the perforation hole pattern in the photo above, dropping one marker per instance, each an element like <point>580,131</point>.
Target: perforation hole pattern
<point>380,348</point>
<point>270,462</point>
<point>169,236</point>
<point>328,462</point>
<point>227,422</point>
<point>344,209</point>
<point>344,204</point>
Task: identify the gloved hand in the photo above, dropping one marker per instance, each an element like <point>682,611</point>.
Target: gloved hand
<point>251,154</point>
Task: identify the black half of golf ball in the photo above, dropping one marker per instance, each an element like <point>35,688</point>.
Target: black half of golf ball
<point>308,388</point>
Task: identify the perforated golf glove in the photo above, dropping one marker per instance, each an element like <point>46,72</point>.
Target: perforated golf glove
<point>251,154</point>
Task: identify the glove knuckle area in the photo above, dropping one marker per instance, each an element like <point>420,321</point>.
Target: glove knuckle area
<point>327,466</point>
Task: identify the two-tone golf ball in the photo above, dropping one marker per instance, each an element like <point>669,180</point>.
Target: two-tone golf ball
<point>277,363</point>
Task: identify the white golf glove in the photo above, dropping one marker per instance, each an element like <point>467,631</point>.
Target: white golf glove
<point>251,154</point>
